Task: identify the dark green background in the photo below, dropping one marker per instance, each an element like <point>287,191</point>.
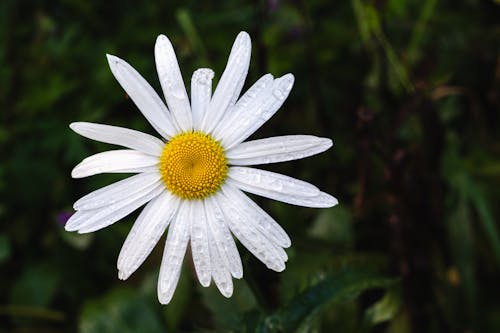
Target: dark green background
<point>408,90</point>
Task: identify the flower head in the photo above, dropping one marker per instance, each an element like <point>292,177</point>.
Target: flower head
<point>192,179</point>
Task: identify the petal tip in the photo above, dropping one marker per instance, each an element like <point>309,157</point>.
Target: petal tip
<point>113,62</point>
<point>69,228</point>
<point>164,298</point>
<point>74,126</point>
<point>279,268</point>
<point>75,173</point>
<point>330,201</point>
<point>111,57</point>
<point>205,283</point>
<point>327,143</point>
<point>290,78</point>
<point>122,275</point>
<point>227,293</point>
<point>160,37</point>
<point>162,40</point>
<point>243,35</point>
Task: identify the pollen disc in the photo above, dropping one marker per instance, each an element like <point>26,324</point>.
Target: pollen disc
<point>193,165</point>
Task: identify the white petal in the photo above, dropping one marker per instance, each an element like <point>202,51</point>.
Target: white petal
<point>223,238</point>
<point>117,191</point>
<point>321,200</point>
<point>199,243</point>
<point>220,272</point>
<point>113,161</point>
<point>270,182</point>
<point>282,253</point>
<point>253,97</point>
<point>143,95</point>
<point>201,92</point>
<point>173,255</point>
<point>125,137</point>
<point>244,229</point>
<point>267,225</point>
<point>230,83</point>
<point>147,230</point>
<point>254,117</point>
<point>277,149</point>
<point>91,220</point>
<point>172,83</point>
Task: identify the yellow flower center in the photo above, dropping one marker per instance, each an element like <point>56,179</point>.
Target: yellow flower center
<point>193,165</point>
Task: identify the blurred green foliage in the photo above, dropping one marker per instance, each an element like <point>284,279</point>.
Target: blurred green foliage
<point>409,91</point>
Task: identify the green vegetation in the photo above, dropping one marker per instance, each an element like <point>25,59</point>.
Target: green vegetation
<point>410,92</point>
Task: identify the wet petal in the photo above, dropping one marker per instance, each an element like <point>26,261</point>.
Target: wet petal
<point>266,224</point>
<point>172,83</point>
<point>143,95</point>
<point>91,220</point>
<point>254,116</point>
<point>253,97</point>
<point>118,191</point>
<point>199,243</point>
<point>269,182</point>
<point>246,232</point>
<point>125,137</point>
<point>173,255</point>
<point>223,238</point>
<point>201,92</point>
<point>220,272</point>
<point>277,149</point>
<point>230,83</point>
<point>114,161</point>
<point>147,230</point>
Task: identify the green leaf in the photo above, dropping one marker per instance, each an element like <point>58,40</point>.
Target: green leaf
<point>121,310</point>
<point>333,226</point>
<point>78,241</point>
<point>385,309</point>
<point>340,286</point>
<point>419,31</point>
<point>36,286</point>
<point>178,307</point>
<point>186,22</point>
<point>228,312</point>
<point>480,203</point>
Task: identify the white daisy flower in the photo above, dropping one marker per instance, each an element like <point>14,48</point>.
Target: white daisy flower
<point>192,179</point>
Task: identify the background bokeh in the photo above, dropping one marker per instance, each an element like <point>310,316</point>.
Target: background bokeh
<point>409,91</point>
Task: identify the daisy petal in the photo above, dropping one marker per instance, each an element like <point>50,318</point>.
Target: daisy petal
<point>230,83</point>
<point>173,255</point>
<point>220,273</point>
<point>244,229</point>
<point>199,243</point>
<point>201,92</point>
<point>267,181</point>
<point>321,200</point>
<point>225,242</point>
<point>267,225</point>
<point>91,220</point>
<point>147,230</point>
<point>277,149</point>
<point>116,192</point>
<point>254,117</point>
<point>172,83</point>
<point>115,135</point>
<point>143,95</point>
<point>253,97</point>
<point>114,161</point>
